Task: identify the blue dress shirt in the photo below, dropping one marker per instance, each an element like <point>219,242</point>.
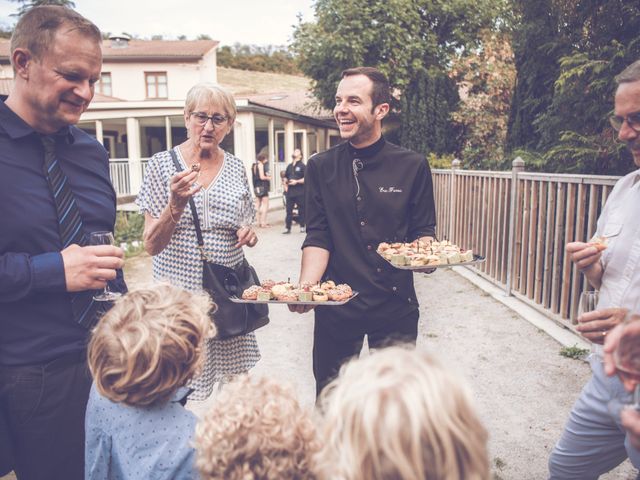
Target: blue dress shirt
<point>150,443</point>
<point>36,323</point>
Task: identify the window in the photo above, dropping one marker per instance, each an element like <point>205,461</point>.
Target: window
<point>156,83</point>
<point>104,84</point>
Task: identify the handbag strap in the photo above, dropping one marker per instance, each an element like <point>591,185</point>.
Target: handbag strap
<point>194,213</point>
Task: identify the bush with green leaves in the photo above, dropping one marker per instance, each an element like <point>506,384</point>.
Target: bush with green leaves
<point>128,230</point>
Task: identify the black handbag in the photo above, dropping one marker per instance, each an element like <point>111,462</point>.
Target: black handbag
<point>221,283</point>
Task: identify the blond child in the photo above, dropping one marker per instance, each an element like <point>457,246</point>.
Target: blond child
<point>256,430</point>
<point>141,355</point>
<point>398,414</point>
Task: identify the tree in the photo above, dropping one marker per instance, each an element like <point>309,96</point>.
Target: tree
<point>400,37</point>
<point>567,54</point>
<point>411,41</point>
<point>486,78</point>
<point>5,31</point>
<point>261,59</point>
<point>537,48</point>
<point>575,135</point>
<point>426,106</point>
<point>27,4</point>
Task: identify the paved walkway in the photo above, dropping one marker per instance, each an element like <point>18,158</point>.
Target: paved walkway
<point>523,388</point>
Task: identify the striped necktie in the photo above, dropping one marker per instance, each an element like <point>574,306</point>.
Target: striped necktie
<point>85,309</point>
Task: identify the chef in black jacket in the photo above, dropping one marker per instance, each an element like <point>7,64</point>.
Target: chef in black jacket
<point>358,194</point>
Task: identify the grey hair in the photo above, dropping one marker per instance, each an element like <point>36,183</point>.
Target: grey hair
<point>629,74</point>
<point>211,94</point>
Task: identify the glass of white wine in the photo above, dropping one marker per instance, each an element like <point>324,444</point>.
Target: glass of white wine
<point>588,303</point>
<point>104,238</point>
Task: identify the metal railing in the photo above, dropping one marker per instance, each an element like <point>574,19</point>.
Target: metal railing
<point>119,172</point>
<point>521,222</point>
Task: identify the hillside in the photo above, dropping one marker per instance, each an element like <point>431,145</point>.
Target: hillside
<point>246,82</point>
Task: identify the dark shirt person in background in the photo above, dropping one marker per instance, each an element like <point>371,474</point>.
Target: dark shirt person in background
<point>46,288</point>
<point>358,194</point>
<point>294,176</point>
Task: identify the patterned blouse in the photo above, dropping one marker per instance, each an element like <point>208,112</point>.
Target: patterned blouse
<point>223,207</point>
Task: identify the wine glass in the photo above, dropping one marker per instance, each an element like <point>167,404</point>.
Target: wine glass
<point>588,303</point>
<point>104,238</point>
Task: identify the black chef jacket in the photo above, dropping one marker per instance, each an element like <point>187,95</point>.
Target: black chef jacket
<point>295,172</point>
<point>388,198</point>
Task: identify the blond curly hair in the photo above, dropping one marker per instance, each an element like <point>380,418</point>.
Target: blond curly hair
<point>398,414</point>
<point>256,430</point>
<point>149,344</point>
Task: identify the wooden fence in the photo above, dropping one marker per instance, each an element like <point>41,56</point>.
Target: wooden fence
<point>521,222</point>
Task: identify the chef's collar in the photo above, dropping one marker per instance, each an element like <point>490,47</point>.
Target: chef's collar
<point>368,151</point>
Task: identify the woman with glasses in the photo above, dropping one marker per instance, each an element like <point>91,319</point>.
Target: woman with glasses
<point>217,182</point>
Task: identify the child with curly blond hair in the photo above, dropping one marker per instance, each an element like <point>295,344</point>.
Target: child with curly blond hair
<point>141,355</point>
<point>398,414</point>
<point>256,430</point>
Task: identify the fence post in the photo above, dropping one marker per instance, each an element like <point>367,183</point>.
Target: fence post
<point>517,166</point>
<point>455,165</point>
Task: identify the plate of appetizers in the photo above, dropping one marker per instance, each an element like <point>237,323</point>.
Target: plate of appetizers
<point>325,293</point>
<point>421,255</point>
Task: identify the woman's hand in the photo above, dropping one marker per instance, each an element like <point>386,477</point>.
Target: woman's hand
<point>246,236</point>
<point>183,185</point>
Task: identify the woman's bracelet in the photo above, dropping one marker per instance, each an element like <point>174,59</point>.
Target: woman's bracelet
<point>171,215</point>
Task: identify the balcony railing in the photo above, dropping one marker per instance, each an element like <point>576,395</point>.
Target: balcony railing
<point>119,170</point>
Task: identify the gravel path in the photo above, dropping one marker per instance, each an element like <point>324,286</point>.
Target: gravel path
<point>523,388</point>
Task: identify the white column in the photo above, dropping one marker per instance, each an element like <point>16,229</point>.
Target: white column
<point>288,140</point>
<point>305,145</point>
<point>272,146</point>
<point>133,147</point>
<point>99,132</point>
<point>167,129</point>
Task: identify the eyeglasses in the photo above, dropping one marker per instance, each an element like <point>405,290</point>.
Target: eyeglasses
<point>203,118</point>
<point>633,120</point>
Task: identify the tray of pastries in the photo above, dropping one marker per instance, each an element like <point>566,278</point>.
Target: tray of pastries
<point>419,255</point>
<point>325,293</point>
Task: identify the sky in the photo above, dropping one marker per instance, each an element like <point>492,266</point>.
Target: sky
<point>255,22</point>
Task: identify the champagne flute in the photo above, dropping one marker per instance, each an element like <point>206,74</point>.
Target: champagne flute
<point>104,238</point>
<point>588,303</point>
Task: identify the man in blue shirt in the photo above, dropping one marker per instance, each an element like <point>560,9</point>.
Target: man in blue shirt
<point>44,381</point>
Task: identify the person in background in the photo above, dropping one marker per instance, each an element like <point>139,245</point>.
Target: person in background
<point>218,183</point>
<point>358,194</point>
<point>54,191</point>
<point>593,442</point>
<point>256,430</point>
<point>398,414</point>
<point>261,187</point>
<point>294,176</point>
<point>141,356</point>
